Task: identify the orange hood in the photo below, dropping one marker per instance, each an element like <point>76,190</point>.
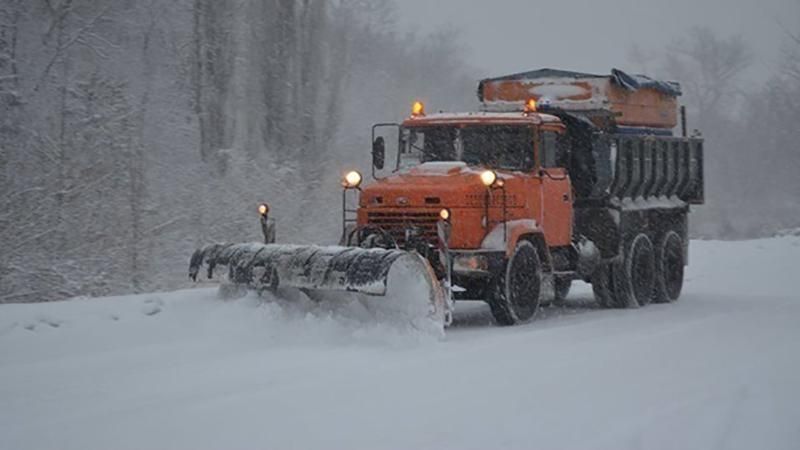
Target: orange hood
<point>431,185</point>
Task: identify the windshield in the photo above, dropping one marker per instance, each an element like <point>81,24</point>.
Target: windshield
<point>495,146</point>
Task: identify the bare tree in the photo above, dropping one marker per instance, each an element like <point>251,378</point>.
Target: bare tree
<point>707,67</point>
<point>642,60</point>
<point>10,15</point>
<point>139,132</point>
<point>213,55</point>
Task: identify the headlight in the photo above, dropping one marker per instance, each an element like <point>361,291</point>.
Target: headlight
<point>488,178</point>
<point>263,209</point>
<point>444,214</point>
<point>352,180</point>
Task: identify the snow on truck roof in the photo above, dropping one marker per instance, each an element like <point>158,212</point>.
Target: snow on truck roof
<point>631,82</point>
<point>482,118</point>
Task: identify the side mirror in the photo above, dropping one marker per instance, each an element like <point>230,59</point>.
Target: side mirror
<point>378,153</point>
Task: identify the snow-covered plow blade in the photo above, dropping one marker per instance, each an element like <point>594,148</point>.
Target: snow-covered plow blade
<point>391,284</point>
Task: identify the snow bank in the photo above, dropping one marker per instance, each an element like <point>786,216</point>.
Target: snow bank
<point>292,319</point>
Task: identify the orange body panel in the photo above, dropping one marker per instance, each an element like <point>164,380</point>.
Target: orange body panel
<point>557,207</point>
<point>644,107</point>
<point>521,90</point>
<point>518,230</point>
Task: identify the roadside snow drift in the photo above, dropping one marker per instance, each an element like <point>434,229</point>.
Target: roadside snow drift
<point>185,370</point>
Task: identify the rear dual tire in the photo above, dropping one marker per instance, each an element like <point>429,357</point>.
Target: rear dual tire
<point>631,282</point>
<point>670,260</point>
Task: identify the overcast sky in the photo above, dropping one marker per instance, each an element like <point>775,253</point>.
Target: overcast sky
<point>504,36</point>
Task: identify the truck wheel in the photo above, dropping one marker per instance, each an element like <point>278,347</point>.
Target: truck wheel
<point>636,274</point>
<point>669,268</point>
<point>516,297</point>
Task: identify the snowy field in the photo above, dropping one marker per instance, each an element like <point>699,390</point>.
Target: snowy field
<point>720,369</point>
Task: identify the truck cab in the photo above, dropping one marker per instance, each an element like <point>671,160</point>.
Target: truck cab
<point>443,161</point>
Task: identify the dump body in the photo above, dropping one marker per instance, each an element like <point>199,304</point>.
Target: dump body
<point>619,139</point>
<point>609,166</point>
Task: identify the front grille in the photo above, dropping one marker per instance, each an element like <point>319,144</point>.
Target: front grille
<point>397,222</point>
<point>495,201</point>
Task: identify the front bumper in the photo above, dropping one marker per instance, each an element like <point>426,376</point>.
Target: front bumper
<point>476,272</point>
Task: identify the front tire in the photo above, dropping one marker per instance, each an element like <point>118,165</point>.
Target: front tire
<point>516,297</point>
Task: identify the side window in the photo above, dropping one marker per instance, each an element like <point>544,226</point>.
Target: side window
<point>411,143</point>
<point>548,148</point>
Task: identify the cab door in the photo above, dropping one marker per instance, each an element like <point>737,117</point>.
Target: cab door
<point>556,190</point>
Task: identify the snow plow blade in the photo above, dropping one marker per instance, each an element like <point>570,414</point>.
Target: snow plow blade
<point>392,283</point>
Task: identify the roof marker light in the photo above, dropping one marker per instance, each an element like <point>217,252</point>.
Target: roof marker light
<point>530,106</point>
<point>417,109</point>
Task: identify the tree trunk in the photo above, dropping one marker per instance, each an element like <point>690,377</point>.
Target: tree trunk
<point>62,183</point>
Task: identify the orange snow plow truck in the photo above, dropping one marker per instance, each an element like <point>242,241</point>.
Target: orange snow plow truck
<point>560,176</point>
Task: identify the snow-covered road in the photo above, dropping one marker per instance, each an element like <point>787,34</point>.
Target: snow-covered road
<point>719,369</point>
